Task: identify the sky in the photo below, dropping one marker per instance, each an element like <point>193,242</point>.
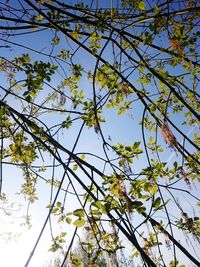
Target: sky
<point>121,129</point>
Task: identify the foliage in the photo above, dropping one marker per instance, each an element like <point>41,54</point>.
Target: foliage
<point>99,109</point>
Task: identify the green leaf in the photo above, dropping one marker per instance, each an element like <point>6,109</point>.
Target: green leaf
<point>63,234</point>
<point>153,190</point>
<point>69,213</point>
<point>55,41</point>
<point>121,162</point>
<point>61,219</point>
<point>67,123</point>
<point>96,212</point>
<point>79,223</point>
<point>141,5</point>
<point>136,145</point>
<point>68,220</point>
<point>81,94</point>
<point>108,105</point>
<point>48,78</point>
<point>55,247</point>
<point>82,156</point>
<point>164,204</point>
<point>101,206</point>
<point>58,204</point>
<point>136,204</point>
<point>55,210</point>
<point>157,202</point>
<point>75,167</point>
<point>79,213</point>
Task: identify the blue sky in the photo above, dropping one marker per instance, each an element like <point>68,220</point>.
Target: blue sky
<point>121,129</point>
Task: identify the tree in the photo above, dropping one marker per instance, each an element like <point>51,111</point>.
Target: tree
<point>97,95</point>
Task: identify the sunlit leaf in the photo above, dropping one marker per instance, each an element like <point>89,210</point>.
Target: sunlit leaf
<point>79,222</point>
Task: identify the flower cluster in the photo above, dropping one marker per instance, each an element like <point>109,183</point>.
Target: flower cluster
<point>167,240</point>
<point>176,45</point>
<point>168,136</point>
<point>184,176</point>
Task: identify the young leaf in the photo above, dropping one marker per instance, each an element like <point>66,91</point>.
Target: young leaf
<point>79,213</point>
<point>68,220</point>
<point>141,5</point>
<point>79,223</point>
